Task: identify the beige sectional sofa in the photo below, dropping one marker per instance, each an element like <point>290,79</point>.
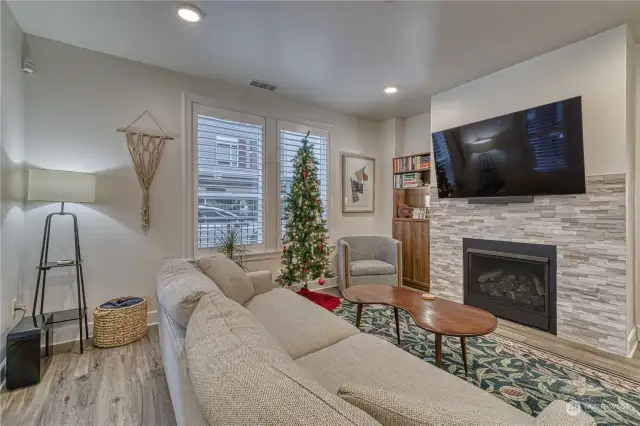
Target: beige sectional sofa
<point>278,359</point>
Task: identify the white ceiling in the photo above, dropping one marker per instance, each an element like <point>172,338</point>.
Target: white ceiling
<point>335,54</point>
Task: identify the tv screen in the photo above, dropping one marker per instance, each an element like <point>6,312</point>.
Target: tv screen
<point>531,152</point>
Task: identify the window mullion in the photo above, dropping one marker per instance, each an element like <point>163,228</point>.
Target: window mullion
<point>271,178</point>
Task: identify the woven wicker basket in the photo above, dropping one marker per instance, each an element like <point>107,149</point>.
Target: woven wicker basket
<point>117,327</point>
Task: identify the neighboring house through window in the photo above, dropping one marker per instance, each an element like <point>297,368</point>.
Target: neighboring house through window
<point>244,172</point>
<point>230,185</point>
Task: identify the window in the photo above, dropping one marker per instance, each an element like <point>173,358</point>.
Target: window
<point>291,136</point>
<point>230,177</point>
<point>239,169</point>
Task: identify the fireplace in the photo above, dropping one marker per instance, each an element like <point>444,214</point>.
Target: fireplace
<point>515,281</point>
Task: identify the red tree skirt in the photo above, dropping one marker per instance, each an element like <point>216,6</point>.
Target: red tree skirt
<point>327,301</point>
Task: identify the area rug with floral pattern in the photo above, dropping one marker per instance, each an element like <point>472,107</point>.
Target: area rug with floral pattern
<point>523,376</point>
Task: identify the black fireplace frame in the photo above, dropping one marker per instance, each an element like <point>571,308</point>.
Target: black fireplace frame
<point>540,253</point>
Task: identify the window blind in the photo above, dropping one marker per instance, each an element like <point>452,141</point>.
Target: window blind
<point>290,142</point>
<point>229,181</point>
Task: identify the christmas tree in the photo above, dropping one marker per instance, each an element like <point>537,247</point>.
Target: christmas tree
<point>305,255</point>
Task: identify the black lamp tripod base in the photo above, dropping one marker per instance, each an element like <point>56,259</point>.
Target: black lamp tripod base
<point>71,314</point>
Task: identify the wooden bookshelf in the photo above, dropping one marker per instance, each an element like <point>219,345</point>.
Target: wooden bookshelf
<point>414,233</point>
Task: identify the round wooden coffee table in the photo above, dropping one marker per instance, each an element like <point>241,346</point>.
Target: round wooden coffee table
<point>440,317</point>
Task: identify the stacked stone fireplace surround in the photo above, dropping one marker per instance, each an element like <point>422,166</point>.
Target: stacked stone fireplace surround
<point>589,232</point>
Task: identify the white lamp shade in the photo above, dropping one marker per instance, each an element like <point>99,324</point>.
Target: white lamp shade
<point>58,185</point>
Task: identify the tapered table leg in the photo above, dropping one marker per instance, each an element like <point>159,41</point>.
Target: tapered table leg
<point>463,343</point>
<point>438,350</point>
<point>395,311</point>
<point>358,315</point>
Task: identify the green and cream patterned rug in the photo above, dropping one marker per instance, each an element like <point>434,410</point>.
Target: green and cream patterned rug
<point>523,376</point>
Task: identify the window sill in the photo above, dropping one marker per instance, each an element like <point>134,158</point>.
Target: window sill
<point>262,255</point>
<point>256,254</point>
<point>253,256</point>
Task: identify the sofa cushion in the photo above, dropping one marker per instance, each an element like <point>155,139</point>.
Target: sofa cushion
<point>232,280</point>
<point>242,377</point>
<point>557,413</point>
<point>180,285</point>
<point>371,361</point>
<point>392,409</point>
<point>371,267</point>
<point>300,326</point>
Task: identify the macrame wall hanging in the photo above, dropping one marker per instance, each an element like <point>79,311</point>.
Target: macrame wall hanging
<point>146,151</point>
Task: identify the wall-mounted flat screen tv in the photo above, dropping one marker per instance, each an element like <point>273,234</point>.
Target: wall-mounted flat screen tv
<point>531,152</point>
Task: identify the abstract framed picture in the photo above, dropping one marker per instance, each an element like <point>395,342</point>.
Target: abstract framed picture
<point>358,183</point>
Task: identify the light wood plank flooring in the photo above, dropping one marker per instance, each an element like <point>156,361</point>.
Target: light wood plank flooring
<point>621,366</point>
<point>118,386</point>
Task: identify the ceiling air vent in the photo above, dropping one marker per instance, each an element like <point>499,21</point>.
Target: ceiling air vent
<point>262,85</point>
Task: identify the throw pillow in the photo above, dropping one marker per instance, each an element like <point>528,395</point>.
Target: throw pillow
<point>231,278</point>
<point>179,287</point>
<point>391,409</point>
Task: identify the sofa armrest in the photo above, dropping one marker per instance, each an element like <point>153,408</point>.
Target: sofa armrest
<point>262,281</point>
<point>559,413</point>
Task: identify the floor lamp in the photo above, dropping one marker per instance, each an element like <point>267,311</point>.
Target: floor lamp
<point>61,186</point>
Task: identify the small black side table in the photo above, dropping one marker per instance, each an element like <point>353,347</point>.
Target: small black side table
<point>26,359</point>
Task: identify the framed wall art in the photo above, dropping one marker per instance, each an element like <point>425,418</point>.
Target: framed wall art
<point>358,183</point>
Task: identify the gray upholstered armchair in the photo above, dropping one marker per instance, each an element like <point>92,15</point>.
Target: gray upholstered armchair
<point>369,260</point>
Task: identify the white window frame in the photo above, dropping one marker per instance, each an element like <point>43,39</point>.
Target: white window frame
<point>271,247</point>
<point>301,128</point>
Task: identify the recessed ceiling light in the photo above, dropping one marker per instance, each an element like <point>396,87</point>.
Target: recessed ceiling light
<point>189,13</point>
<point>390,89</point>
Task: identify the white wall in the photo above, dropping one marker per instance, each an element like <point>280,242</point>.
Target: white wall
<point>417,135</point>
<point>594,68</point>
<point>11,164</point>
<point>598,69</point>
<point>632,188</point>
<point>391,137</point>
<point>637,163</point>
<point>75,102</point>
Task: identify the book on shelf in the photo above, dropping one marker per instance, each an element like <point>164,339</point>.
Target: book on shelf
<point>411,163</point>
<point>401,181</point>
<point>412,176</point>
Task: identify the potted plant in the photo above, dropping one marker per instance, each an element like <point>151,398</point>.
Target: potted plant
<point>230,244</point>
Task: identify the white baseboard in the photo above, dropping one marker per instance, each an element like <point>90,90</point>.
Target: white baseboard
<point>632,341</point>
<point>324,287</point>
<point>69,332</point>
<point>329,283</point>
